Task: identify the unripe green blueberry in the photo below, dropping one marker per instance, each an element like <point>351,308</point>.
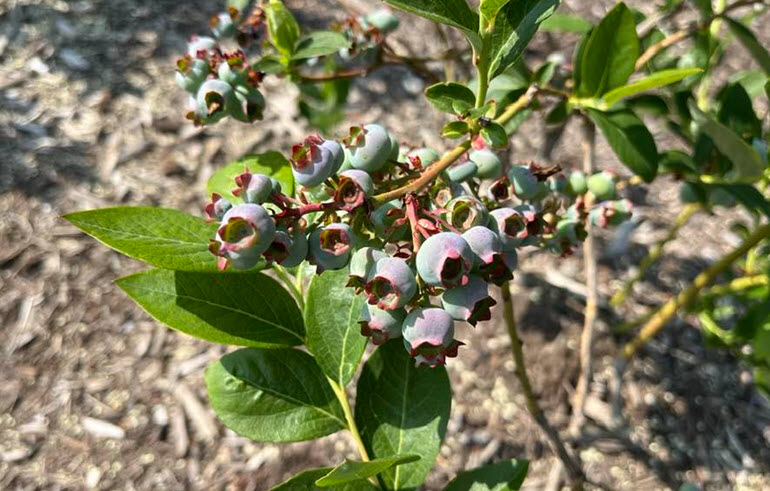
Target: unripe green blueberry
<point>470,303</point>
<point>488,163</point>
<point>426,156</point>
<point>391,284</point>
<point>510,226</point>
<point>602,185</point>
<point>201,43</point>
<point>215,100</point>
<point>250,104</point>
<point>429,336</point>
<point>465,212</point>
<point>383,20</point>
<point>577,183</point>
<point>485,245</point>
<point>222,25</point>
<point>525,184</point>
<point>362,263</point>
<point>313,161</point>
<point>384,218</point>
<point>609,213</point>
<point>246,231</point>
<point>394,147</point>
<point>557,184</point>
<point>445,260</point>
<point>253,188</point>
<point>381,325</point>
<point>462,171</point>
<point>217,207</point>
<point>287,250</point>
<point>195,73</point>
<point>330,247</point>
<point>369,150</point>
<point>354,188</point>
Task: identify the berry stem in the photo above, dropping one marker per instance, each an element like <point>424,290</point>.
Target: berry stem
<point>411,213</point>
<point>305,209</point>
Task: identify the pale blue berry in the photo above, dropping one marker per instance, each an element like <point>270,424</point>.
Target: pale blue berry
<point>246,231</point>
<point>381,325</point>
<point>330,247</point>
<point>470,303</point>
<point>488,163</point>
<point>445,260</point>
<point>369,148</point>
<point>391,284</point>
<point>429,336</point>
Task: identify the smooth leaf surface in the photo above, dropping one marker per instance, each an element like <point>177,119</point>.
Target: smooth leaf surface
<point>445,96</point>
<point>749,196</point>
<point>566,23</point>
<point>242,309</point>
<point>490,8</point>
<point>320,43</point>
<point>514,27</point>
<point>456,13</point>
<point>402,409</point>
<point>332,311</point>
<point>610,53</point>
<point>655,80</point>
<point>630,139</point>
<point>494,135</point>
<point>272,164</point>
<point>305,481</point>
<point>161,237</point>
<point>747,164</point>
<point>350,470</point>
<point>455,129</point>
<point>507,475</point>
<point>273,395</point>
<point>751,43</point>
<point>282,27</point>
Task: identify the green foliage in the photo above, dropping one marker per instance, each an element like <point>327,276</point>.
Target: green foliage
<point>332,312</point>
<point>242,309</point>
<point>351,471</point>
<point>402,409</point>
<point>566,23</point>
<point>160,237</point>
<point>306,481</point>
<point>273,395</point>
<point>490,8</point>
<point>320,43</point>
<point>272,164</point>
<point>282,27</point>
<point>657,79</point>
<point>450,97</point>
<point>507,475</point>
<point>630,139</point>
<point>751,43</point>
<point>455,13</point>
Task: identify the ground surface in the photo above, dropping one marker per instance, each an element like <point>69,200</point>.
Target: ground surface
<point>94,394</point>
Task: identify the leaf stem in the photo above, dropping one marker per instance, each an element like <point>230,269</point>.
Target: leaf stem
<point>666,312</point>
<point>574,470</point>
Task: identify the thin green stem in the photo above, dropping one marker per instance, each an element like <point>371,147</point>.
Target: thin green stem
<point>290,283</point>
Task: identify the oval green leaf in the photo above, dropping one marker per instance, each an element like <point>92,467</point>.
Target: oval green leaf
<point>507,475</point>
<point>657,79</point>
<point>350,470</point>
<point>161,237</point>
<point>402,409</point>
<point>242,309</point>
<point>455,13</point>
<point>332,311</point>
<point>282,27</point>
<point>320,43</point>
<point>273,395</point>
<point>630,139</point>
<point>272,164</point>
<point>445,96</point>
<point>305,481</point>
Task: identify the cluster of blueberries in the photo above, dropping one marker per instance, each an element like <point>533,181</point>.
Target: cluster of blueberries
<point>220,83</point>
<point>445,241</point>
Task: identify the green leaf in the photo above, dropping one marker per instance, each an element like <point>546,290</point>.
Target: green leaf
<point>747,164</point>
<point>334,336</point>
<point>272,164</point>
<point>455,13</point>
<point>305,481</point>
<point>657,79</point>
<point>282,27</point>
<point>320,43</point>
<point>513,29</point>
<point>507,475</point>
<point>749,196</point>
<point>351,471</point>
<point>273,395</point>
<point>402,409</point>
<point>494,135</point>
<point>767,89</point>
<point>444,96</point>
<point>648,104</point>
<point>566,23</point>
<point>577,59</point>
<point>751,43</point>
<point>630,139</point>
<point>736,111</point>
<point>161,237</point>
<point>610,53</point>
<point>455,129</point>
<point>243,309</point>
<point>490,8</point>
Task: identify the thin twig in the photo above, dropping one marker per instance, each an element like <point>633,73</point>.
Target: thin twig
<point>572,465</point>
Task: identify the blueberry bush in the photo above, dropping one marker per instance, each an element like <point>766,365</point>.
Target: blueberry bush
<point>307,255</point>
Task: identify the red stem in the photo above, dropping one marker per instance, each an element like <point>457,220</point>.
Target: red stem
<point>411,213</point>
<point>305,209</point>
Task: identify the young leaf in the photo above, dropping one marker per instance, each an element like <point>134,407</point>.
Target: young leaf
<point>514,27</point>
<point>490,8</point>
<point>272,164</point>
<point>161,237</point>
<point>243,309</point>
<point>321,43</point>
<point>610,53</point>
<point>305,481</point>
<point>445,95</point>
<point>748,195</point>
<point>351,470</point>
<point>273,395</point>
<point>747,165</point>
<point>282,27</point>
<point>455,129</point>
<point>507,475</point>
<point>402,409</point>
<point>657,79</point>
<point>751,43</point>
<point>736,111</point>
<point>630,140</point>
<point>455,13</point>
<point>494,135</point>
<point>566,23</point>
<point>334,336</point>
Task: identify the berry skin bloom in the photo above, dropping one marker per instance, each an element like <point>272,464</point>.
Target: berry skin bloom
<point>426,156</point>
<point>602,185</point>
<point>525,185</point>
<point>253,188</point>
<point>354,188</point>
<point>470,303</point>
<point>217,207</point>
<point>445,260</point>
<point>381,325</point>
<point>488,164</point>
<point>215,100</point>
<point>510,226</point>
<point>384,218</point>
<point>313,161</point>
<point>369,147</point>
<point>288,250</point>
<point>361,264</point>
<point>331,246</point>
<point>391,284</point>
<point>245,233</point>
<point>466,212</point>
<point>463,171</point>
<point>429,336</point>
